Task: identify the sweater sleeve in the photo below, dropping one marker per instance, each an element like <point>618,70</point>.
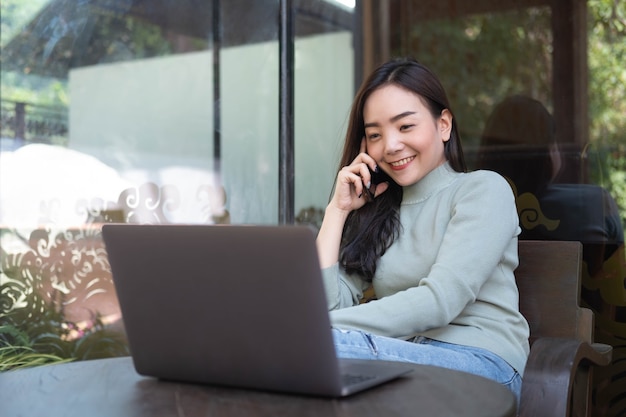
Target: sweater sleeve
<point>482,225</point>
<point>342,290</point>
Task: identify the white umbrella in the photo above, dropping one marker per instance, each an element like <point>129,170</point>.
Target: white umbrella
<point>47,184</point>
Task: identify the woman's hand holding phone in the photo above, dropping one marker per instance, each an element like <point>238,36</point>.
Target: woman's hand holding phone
<point>356,184</point>
<point>359,182</point>
<point>377,177</point>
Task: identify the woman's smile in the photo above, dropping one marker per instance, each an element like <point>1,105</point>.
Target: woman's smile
<point>402,163</point>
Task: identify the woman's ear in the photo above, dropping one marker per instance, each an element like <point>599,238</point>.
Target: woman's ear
<point>445,125</point>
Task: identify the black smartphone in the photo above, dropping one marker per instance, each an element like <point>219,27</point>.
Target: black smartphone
<point>379,176</point>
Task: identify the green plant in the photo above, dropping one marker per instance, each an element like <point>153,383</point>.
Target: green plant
<point>52,339</point>
<point>23,356</point>
<point>34,331</point>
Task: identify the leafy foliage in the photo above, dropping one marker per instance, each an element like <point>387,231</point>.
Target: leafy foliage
<point>35,332</point>
<point>483,58</point>
<point>17,357</point>
<point>607,96</point>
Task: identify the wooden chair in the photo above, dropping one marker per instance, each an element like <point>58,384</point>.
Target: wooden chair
<point>557,378</point>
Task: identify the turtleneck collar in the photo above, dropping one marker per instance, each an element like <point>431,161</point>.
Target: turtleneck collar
<point>434,181</point>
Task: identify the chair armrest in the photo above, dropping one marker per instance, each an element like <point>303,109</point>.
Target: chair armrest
<point>549,374</point>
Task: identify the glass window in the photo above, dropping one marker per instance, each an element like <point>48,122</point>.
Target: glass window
<point>538,90</point>
<point>149,112</point>
<point>324,88</point>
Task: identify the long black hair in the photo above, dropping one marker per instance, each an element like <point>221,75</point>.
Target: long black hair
<point>370,231</point>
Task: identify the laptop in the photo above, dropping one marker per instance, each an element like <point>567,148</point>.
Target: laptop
<point>235,305</point>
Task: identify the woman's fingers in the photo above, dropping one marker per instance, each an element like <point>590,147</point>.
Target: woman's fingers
<point>362,165</point>
<point>354,182</point>
<point>352,179</point>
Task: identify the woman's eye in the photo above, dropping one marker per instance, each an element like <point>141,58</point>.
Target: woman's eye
<point>405,127</point>
<point>372,136</point>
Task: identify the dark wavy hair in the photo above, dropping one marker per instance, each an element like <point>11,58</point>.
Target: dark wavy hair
<point>371,230</point>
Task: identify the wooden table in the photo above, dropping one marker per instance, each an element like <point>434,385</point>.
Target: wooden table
<point>112,388</point>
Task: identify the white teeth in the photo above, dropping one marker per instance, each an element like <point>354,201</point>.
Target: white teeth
<point>402,162</point>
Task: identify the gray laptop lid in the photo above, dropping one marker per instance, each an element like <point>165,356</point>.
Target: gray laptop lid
<point>230,305</point>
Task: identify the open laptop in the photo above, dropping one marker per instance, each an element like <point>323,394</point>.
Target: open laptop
<point>234,305</point>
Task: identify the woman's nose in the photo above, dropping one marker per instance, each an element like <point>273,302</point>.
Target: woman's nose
<point>393,143</point>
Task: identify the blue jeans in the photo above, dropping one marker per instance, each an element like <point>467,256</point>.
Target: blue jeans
<point>422,350</point>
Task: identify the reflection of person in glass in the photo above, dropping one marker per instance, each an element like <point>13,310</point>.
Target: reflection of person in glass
<point>438,244</point>
<point>519,142</point>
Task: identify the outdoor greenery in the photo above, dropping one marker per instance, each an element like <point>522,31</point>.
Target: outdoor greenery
<point>46,287</point>
<point>488,57</point>
<point>607,96</point>
<point>34,331</point>
<point>26,87</point>
<point>484,58</point>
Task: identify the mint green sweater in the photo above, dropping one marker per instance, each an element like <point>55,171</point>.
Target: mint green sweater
<point>449,275</point>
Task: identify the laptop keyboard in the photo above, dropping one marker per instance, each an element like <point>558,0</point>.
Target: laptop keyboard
<point>351,379</point>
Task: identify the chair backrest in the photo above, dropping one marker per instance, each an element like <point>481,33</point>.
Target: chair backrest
<point>549,279</point>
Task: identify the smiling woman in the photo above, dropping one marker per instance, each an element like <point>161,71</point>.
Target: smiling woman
<point>403,138</point>
<point>438,244</point>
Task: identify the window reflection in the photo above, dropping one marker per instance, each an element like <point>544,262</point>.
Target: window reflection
<point>110,113</point>
<point>568,182</point>
<point>519,142</point>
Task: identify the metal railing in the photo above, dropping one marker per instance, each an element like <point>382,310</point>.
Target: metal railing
<point>32,123</point>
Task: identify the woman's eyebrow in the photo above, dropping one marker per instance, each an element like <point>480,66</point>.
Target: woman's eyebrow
<point>392,120</point>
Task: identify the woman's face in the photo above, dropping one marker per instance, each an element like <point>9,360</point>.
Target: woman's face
<point>401,134</point>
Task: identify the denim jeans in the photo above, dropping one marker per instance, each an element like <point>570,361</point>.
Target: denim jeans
<point>422,350</point>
